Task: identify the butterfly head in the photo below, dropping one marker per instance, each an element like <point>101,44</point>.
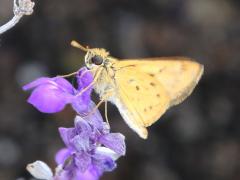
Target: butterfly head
<point>94,57</point>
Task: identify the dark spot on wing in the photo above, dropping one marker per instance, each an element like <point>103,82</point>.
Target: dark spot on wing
<point>131,65</point>
<point>150,107</point>
<point>160,70</point>
<point>137,88</point>
<point>151,74</point>
<point>152,84</point>
<point>184,66</point>
<point>158,95</point>
<point>130,80</point>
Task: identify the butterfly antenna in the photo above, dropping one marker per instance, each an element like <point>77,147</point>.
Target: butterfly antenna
<point>77,45</point>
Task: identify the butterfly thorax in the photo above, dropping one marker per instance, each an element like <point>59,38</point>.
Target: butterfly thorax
<point>104,82</point>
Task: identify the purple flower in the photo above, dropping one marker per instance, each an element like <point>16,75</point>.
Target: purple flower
<point>51,95</point>
<point>90,146</point>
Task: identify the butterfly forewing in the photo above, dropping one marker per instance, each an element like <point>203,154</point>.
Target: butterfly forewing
<point>177,75</point>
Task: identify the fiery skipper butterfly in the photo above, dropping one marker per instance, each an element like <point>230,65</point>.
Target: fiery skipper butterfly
<point>142,89</point>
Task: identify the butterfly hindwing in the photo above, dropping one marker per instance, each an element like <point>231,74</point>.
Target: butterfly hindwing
<point>141,98</point>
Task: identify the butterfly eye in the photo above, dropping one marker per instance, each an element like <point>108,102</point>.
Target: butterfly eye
<point>97,60</point>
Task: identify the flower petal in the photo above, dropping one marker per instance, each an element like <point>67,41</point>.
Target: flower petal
<point>37,82</point>
<point>107,152</point>
<point>114,141</point>
<point>40,170</point>
<point>82,126</point>
<point>80,103</point>
<point>50,94</point>
<point>81,143</point>
<point>90,174</point>
<point>95,119</point>
<point>64,85</point>
<point>49,99</point>
<point>83,161</point>
<point>84,78</point>
<point>103,162</point>
<point>62,155</point>
<point>67,134</point>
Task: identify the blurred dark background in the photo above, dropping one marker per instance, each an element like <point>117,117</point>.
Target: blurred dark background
<point>196,140</point>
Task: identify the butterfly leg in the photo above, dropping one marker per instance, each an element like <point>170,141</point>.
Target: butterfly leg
<point>106,116</point>
<point>68,75</point>
<point>74,73</point>
<point>103,99</point>
<point>91,84</point>
<point>95,108</point>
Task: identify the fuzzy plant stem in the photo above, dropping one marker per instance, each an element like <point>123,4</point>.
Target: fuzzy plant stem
<point>20,8</point>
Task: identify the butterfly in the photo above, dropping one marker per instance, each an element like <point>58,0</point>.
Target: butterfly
<point>142,89</point>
